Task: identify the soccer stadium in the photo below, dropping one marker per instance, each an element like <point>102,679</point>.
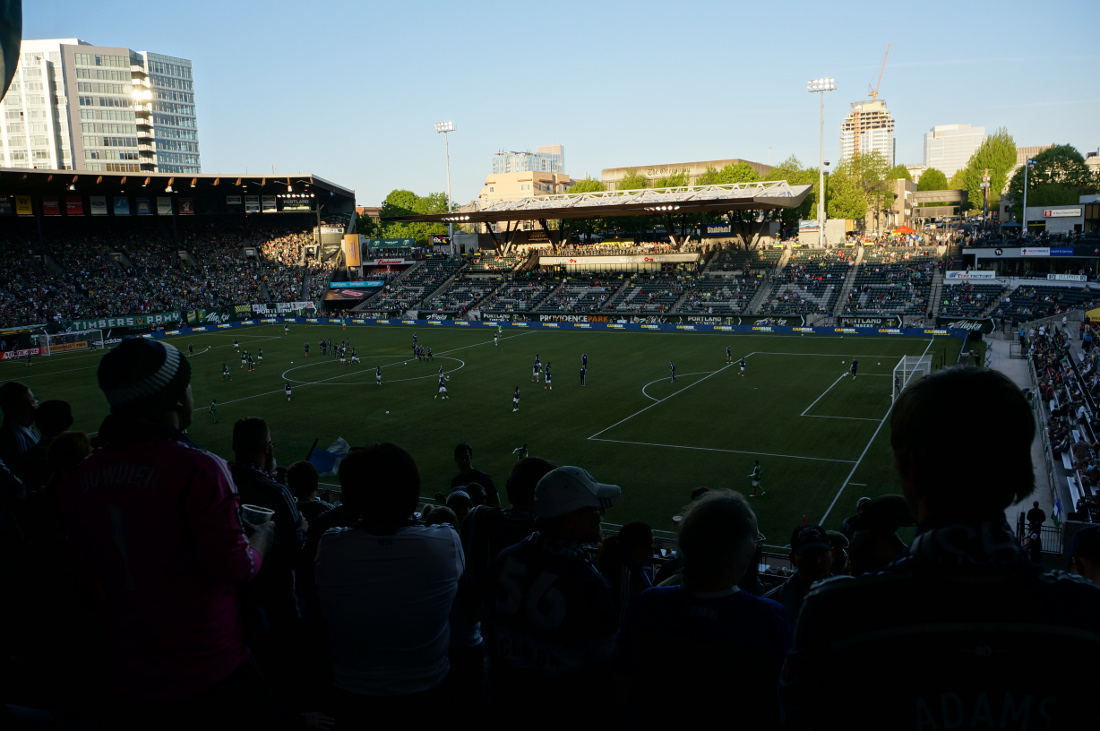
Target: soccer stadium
<point>610,454</point>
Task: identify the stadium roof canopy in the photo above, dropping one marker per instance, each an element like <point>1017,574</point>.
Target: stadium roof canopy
<point>647,201</point>
<point>21,181</point>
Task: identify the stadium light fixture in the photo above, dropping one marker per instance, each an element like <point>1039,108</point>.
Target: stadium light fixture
<point>820,86</point>
<point>445,128</point>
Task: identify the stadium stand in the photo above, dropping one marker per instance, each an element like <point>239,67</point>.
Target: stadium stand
<point>809,284</point>
<point>463,295</point>
<point>519,296</point>
<point>969,300</point>
<point>579,294</point>
<point>408,290</point>
<point>893,281</point>
<point>649,294</point>
<point>729,296</point>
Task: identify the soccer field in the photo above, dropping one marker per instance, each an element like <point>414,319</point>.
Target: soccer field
<point>821,436</point>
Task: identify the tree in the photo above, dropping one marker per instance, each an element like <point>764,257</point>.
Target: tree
<point>588,185</point>
<point>1058,176</point>
<point>899,172</point>
<point>407,203</point>
<point>869,173</point>
<point>792,171</point>
<point>932,179</point>
<point>997,155</point>
<point>633,180</point>
<point>844,197</point>
<point>677,179</point>
<point>710,177</point>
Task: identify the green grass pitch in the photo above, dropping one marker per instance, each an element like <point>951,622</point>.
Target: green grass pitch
<point>820,435</point>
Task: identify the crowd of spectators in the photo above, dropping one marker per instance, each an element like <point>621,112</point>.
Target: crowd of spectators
<point>969,299</point>
<point>104,271</point>
<point>897,281</point>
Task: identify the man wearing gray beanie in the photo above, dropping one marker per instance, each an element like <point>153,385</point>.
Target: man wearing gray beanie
<point>154,521</point>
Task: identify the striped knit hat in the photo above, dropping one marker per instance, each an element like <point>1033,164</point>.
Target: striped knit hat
<point>142,373</point>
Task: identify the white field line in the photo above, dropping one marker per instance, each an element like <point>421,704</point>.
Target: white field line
<point>830,388</point>
<point>662,380</point>
<point>647,408</point>
<point>871,441</point>
<point>714,449</point>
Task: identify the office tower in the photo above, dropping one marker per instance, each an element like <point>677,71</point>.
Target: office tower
<point>948,147</point>
<point>75,106</point>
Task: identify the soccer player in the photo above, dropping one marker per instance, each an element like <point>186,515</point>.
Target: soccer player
<point>236,344</point>
<point>672,372</point>
<point>520,452</point>
<point>251,363</point>
<point>729,354</point>
<point>214,410</point>
<point>430,356</point>
<point>28,358</point>
<point>286,388</point>
<point>756,474</point>
<point>307,350</point>
<point>343,357</point>
<point>286,329</point>
<point>535,373</point>
<point>414,338</point>
<point>743,365</point>
<point>584,360</point>
<point>515,399</point>
<point>496,338</point>
<point>225,372</point>
<point>323,347</point>
<point>378,375</point>
<point>261,356</point>
<point>442,388</point>
<point>547,384</point>
<point>440,372</point>
<point>190,349</point>
<point>584,372</point>
<point>244,360</point>
<point>855,367</point>
<point>354,356</point>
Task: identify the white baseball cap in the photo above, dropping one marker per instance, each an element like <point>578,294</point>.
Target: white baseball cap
<point>568,489</point>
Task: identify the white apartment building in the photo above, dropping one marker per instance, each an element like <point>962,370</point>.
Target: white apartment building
<point>75,106</point>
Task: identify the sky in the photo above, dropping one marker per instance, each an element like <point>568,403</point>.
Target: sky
<point>350,90</point>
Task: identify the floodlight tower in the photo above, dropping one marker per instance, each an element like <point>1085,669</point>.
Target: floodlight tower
<point>820,86</point>
<point>445,128</point>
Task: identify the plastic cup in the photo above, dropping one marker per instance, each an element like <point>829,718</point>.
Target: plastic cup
<point>256,515</point>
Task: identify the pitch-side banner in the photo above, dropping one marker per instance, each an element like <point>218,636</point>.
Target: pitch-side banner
<point>960,275</point>
<point>164,205</point>
<point>279,308</point>
<point>151,318</point>
<point>98,204</point>
<point>122,205</point>
<point>23,206</point>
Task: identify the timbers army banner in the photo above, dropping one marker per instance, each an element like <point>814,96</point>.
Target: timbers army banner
<point>149,318</point>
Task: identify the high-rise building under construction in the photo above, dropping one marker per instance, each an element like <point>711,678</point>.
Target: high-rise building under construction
<point>868,128</point>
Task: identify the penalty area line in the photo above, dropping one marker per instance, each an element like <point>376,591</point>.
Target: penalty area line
<point>716,449</point>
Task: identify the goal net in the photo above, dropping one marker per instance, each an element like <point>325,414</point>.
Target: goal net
<point>910,368</point>
<point>70,341</point>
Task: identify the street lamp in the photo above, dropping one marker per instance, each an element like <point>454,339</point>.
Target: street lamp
<point>820,86</point>
<point>444,128</point>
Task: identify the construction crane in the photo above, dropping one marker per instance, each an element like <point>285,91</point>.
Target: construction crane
<point>881,71</point>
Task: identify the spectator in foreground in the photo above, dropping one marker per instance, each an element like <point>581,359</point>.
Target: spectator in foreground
<point>709,643</point>
<point>812,557</point>
<point>385,587</point>
<point>155,535</point>
<point>304,484</point>
<point>17,434</point>
<point>1084,553</point>
<point>944,635</point>
<point>549,614</point>
<point>467,474</point>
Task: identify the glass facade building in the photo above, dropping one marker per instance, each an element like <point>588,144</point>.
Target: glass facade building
<point>75,106</point>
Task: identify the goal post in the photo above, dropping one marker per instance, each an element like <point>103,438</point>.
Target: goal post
<point>909,368</point>
<point>65,342</point>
